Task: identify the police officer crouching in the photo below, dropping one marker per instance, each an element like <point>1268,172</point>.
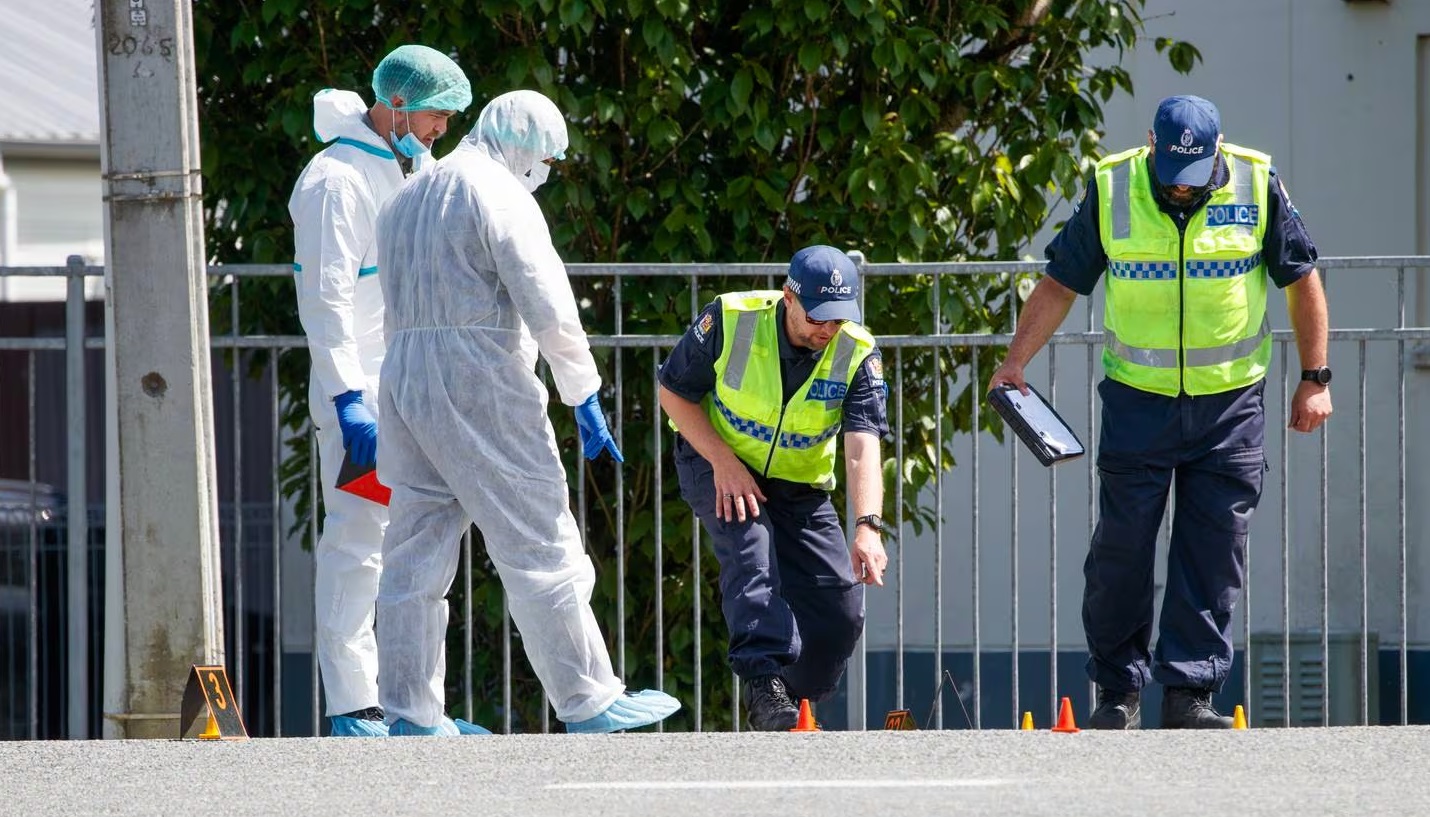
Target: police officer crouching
<point>759,389</point>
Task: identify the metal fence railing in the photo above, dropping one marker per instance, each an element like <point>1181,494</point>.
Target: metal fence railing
<point>1325,567</point>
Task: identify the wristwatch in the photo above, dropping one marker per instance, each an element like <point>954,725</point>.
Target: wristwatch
<point>1321,375</point>
<point>873,520</point>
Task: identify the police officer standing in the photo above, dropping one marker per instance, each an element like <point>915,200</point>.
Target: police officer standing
<point>759,390</point>
<point>1188,230</point>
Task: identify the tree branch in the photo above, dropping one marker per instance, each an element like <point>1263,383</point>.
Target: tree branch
<point>998,50</point>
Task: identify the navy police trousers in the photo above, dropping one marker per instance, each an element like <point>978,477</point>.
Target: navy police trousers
<point>1211,446</point>
<point>786,582</point>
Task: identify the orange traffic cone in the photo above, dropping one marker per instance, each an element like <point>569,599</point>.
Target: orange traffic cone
<point>806,718</point>
<point>211,730</point>
<point>1065,718</point>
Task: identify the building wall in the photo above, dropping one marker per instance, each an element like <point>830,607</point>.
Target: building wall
<point>59,212</point>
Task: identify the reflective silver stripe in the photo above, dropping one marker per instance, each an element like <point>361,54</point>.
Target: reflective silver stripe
<point>1167,358</point>
<point>839,369</point>
<point>740,349</point>
<point>1156,358</point>
<point>1242,190</point>
<point>1121,204</point>
<point>843,352</point>
<point>1231,351</point>
<point>1241,181</point>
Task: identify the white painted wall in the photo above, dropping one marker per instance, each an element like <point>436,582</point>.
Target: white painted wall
<point>1339,94</point>
<point>58,213</point>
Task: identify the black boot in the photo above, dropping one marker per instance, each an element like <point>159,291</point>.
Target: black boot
<point>372,713</point>
<point>1191,708</point>
<point>768,707</point>
<point>1116,710</point>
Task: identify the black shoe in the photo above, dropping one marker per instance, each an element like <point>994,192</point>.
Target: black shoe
<point>768,707</point>
<point>372,713</point>
<point>1116,710</point>
<point>1191,708</point>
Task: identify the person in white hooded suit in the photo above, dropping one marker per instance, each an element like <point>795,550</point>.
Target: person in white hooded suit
<point>334,207</point>
<point>471,279</point>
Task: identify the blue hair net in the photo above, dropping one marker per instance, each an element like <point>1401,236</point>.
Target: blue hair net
<point>424,79</point>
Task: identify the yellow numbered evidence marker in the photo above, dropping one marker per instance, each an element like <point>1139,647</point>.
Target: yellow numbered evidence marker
<point>900,720</point>
<point>210,711</point>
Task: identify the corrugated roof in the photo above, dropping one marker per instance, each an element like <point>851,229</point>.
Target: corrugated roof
<point>50,88</point>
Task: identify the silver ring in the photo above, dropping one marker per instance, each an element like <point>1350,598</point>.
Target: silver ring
<point>729,496</point>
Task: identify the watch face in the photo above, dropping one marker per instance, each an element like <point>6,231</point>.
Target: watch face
<point>1321,375</point>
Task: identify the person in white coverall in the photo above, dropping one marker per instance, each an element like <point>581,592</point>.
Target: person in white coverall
<point>334,208</point>
<point>471,279</point>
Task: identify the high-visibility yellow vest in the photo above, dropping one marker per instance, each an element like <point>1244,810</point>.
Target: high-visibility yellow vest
<point>1185,314</point>
<point>797,441</point>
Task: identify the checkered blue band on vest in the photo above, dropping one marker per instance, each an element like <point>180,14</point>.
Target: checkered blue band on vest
<point>1223,269</point>
<point>764,433</point>
<point>749,428</point>
<point>802,441</point>
<point>1148,270</point>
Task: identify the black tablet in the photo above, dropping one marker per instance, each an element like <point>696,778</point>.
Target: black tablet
<point>1036,423</point>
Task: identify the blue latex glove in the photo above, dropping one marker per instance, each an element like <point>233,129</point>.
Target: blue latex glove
<point>591,423</point>
<point>359,428</point>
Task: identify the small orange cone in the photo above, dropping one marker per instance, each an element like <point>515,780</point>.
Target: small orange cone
<point>1065,718</point>
<point>1027,722</point>
<point>806,718</point>
<point>211,730</point>
<point>1238,719</point>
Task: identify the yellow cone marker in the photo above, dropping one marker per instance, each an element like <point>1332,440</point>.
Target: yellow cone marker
<point>1238,718</point>
<point>1027,722</point>
<point>211,730</point>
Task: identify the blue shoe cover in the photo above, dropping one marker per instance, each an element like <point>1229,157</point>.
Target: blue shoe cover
<point>470,728</point>
<point>448,728</point>
<point>630,711</point>
<point>404,728</point>
<point>341,726</point>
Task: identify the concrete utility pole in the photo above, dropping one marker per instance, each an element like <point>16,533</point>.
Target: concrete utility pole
<point>163,540</point>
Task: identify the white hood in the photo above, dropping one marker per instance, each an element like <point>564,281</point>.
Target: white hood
<point>338,114</point>
<point>521,129</point>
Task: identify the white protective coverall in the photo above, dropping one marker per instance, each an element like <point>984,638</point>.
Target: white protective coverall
<point>334,208</point>
<point>469,267</point>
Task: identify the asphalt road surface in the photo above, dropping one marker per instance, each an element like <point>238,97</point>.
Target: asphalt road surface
<point>1339,771</point>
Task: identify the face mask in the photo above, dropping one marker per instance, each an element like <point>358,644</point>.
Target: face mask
<point>412,147</point>
<point>535,177</point>
<point>409,145</point>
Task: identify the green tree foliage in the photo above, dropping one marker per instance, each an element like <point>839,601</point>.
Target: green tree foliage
<point>711,131</point>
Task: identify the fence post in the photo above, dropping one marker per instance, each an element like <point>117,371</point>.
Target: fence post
<point>77,504</point>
